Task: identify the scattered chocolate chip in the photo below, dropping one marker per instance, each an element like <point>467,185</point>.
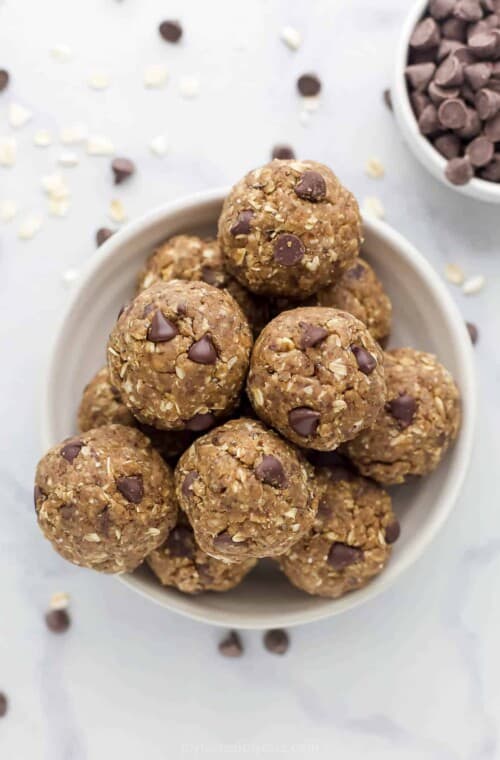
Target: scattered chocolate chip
<point>484,45</point>
<point>420,74</point>
<point>450,73</point>
<point>4,705</point>
<point>392,532</point>
<point>58,621</point>
<point>439,94</point>
<point>162,329</point>
<point>283,152</point>
<point>311,187</point>
<point>357,272</point>
<point>428,121</point>
<point>477,74</point>
<point>366,362</point>
<point>181,309</point>
<point>288,249</point>
<point>473,332</point>
<point>303,421</point>
<point>131,487</point>
<point>454,29</point>
<point>103,234</point>
<point>452,114</point>
<point>312,335</point>
<point>200,422</point>
<point>203,570</point>
<point>447,47</point>
<point>419,101</point>
<point>342,555</point>
<point>426,35</point>
<point>4,79</point>
<point>224,541</point>
<point>231,646</point>
<point>180,542</point>
<point>472,125</point>
<point>387,98</point>
<point>448,145</point>
<point>276,641</point>
<point>122,169</point>
<point>468,10</point>
<point>459,171</point>
<point>270,471</point>
<point>203,351</point>
<point>403,409</point>
<point>242,226</point>
<point>487,103</point>
<point>492,129</point>
<point>308,85</point>
<point>71,450</point>
<point>67,511</point>
<point>171,31</point>
<point>188,482</point>
<point>480,151</point>
<point>325,511</point>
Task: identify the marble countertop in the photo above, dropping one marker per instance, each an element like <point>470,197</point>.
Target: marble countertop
<point>414,674</point>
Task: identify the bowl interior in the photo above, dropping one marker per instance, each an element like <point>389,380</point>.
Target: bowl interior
<point>425,317</point>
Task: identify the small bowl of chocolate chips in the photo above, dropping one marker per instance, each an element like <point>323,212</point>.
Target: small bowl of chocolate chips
<point>446,92</point>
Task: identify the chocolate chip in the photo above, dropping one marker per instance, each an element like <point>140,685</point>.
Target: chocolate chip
<point>450,73</point>
<point>472,125</point>
<point>441,9</point>
<point>477,74</point>
<point>308,85</point>
<point>162,329</point>
<point>366,362</point>
<point>288,249</point>
<point>428,122</point>
<point>480,151</point>
<point>270,471</point>
<point>131,487</point>
<point>448,145</point>
<point>392,532</point>
<point>420,74</point>
<point>487,103</point>
<point>103,234</point>
<point>188,482</point>
<point>492,128</point>
<point>283,152</point>
<point>446,47</point>
<point>122,169</point>
<point>403,409</point>
<point>452,114</point>
<point>242,226</point>
<point>4,705</point>
<point>454,29</point>
<point>387,98</point>
<point>439,94</point>
<point>325,511</point>
<point>311,187</point>
<point>492,171</point>
<point>171,31</point>
<point>67,511</point>
<point>459,171</point>
<point>38,494</point>
<point>426,35</point>
<point>484,45</point>
<point>200,422</point>
<point>71,450</point>
<point>210,276</point>
<point>312,335</point>
<point>468,10</point>
<point>342,555</point>
<point>58,621</point>
<point>180,542</point>
<point>203,570</point>
<point>276,641</point>
<point>4,79</point>
<point>303,421</point>
<point>357,272</point>
<point>224,541</point>
<point>231,646</point>
<point>473,332</point>
<point>203,351</point>
<point>328,459</point>
<point>419,102</point>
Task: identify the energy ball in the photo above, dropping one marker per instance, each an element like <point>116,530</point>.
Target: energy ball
<point>350,541</point>
<point>317,376</point>
<point>245,491</point>
<point>188,257</point>
<point>180,563</point>
<point>178,355</point>
<point>289,228</point>
<point>105,499</point>
<point>416,426</point>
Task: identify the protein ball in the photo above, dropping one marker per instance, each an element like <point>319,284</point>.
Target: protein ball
<point>317,376</point>
<point>179,354</point>
<point>416,426</point>
<point>105,499</point>
<point>289,228</point>
<point>350,541</point>
<point>245,491</point>
<point>180,563</point>
<point>188,257</point>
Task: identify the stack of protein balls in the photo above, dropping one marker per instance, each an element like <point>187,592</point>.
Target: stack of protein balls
<point>235,376</point>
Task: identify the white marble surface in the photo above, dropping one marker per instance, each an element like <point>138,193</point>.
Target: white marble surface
<point>413,675</point>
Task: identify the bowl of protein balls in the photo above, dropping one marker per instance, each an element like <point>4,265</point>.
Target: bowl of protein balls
<point>259,406</point>
<point>446,92</point>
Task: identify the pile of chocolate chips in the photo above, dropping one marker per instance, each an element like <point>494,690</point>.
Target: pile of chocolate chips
<point>453,77</point>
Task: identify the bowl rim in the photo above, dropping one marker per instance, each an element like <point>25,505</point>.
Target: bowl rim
<point>477,188</point>
<point>463,446</point>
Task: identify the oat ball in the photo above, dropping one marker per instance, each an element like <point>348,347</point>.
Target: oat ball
<point>350,541</point>
<point>180,563</point>
<point>417,424</point>
<point>289,228</point>
<point>178,355</point>
<point>188,257</point>
<point>105,499</point>
<point>317,376</point>
<point>245,491</point>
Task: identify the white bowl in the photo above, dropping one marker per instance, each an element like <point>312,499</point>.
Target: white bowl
<point>421,147</point>
<point>425,317</point>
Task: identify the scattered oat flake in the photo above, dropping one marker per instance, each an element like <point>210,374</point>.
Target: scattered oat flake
<point>55,186</point>
<point>68,277</point>
<point>98,81</point>
<point>372,206</point>
<point>374,168</point>
<point>117,211</point>
<point>58,206</point>
<point>473,285</point>
<point>18,115</point>
<point>189,87</point>
<point>454,274</point>
<point>100,146</point>
<point>61,53</point>
<point>42,138</point>
<point>8,210</point>
<point>291,37</point>
<point>159,145</point>
<point>30,227</point>
<point>59,601</point>
<point>68,158</point>
<point>8,151</point>
<point>311,103</point>
<point>155,76</point>
<point>76,133</point>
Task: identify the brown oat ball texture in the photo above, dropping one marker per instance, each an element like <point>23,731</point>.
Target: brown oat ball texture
<point>317,376</point>
<point>350,541</point>
<point>180,563</point>
<point>416,426</point>
<point>105,499</point>
<point>188,257</point>
<point>178,355</point>
<point>289,228</point>
<point>245,491</point>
